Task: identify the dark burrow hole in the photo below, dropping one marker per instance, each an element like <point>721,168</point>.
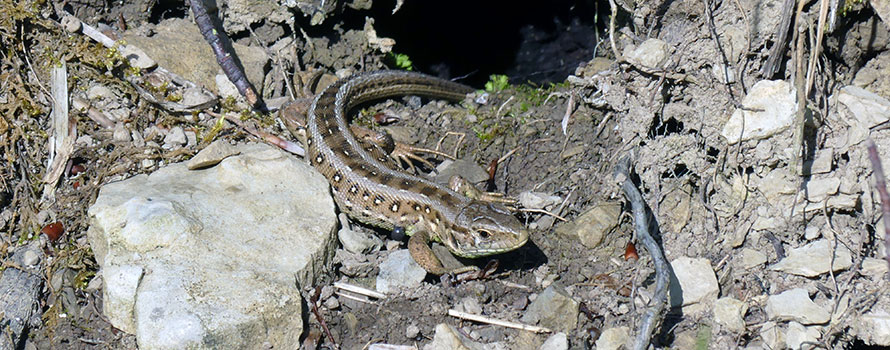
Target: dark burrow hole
<point>713,153</point>
<point>538,42</point>
<point>532,41</point>
<point>679,171</point>
<point>661,127</point>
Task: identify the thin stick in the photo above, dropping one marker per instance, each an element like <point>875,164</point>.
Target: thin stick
<point>881,185</point>
<point>641,227</point>
<point>507,155</point>
<point>542,211</point>
<point>324,325</point>
<point>820,31</point>
<point>353,297</point>
<point>217,40</point>
<point>488,320</point>
<point>614,8</point>
<point>570,107</point>
<point>359,290</point>
<point>272,139</point>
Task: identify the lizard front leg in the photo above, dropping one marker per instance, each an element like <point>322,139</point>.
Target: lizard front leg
<point>419,247</point>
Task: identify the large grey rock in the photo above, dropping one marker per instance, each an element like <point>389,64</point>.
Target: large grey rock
<point>213,258</point>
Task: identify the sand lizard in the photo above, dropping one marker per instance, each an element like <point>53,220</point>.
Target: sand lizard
<point>370,187</point>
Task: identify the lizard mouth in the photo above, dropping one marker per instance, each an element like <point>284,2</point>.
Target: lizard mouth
<point>492,248</point>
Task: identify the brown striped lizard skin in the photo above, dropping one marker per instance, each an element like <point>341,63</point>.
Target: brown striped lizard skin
<point>371,187</point>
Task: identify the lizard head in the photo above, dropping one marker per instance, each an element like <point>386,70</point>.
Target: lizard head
<point>483,228</point>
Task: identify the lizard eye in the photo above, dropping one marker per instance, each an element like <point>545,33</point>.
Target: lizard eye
<point>484,233</point>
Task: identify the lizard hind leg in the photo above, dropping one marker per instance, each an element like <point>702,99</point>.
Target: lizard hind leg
<point>464,187</point>
<point>402,154</point>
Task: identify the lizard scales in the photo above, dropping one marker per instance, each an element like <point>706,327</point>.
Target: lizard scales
<point>371,187</point>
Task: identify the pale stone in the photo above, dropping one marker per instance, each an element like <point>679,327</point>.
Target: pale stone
<point>591,226</point>
<point>778,183</point>
<point>398,271</point>
<point>136,57</point>
<point>538,200</point>
<point>739,234</point>
<point>730,312</point>
<point>677,205</point>
<point>558,341</point>
<point>212,155</point>
<point>225,87</point>
<point>99,91</point>
<point>217,253</point>
<point>120,134</point>
<point>882,8</point>
<point>795,304</point>
<point>841,201</point>
<point>358,242</point>
<point>873,327</point>
<point>464,168</point>
<point>811,233</point>
<point>776,100</point>
<point>749,258</point>
<point>874,268</point>
<point>196,97</point>
<point>797,334</point>
<point>613,339</point>
<point>819,189</point>
<point>772,335</point>
<point>814,259</point>
<point>821,163</point>
<point>449,338</point>
<point>554,309</point>
<point>650,54</point>
<point>869,108</point>
<point>175,138</point>
<point>696,286</point>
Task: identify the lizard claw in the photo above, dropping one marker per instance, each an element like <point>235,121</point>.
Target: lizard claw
<point>406,154</point>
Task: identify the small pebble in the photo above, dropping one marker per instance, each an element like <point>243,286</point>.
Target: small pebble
<point>482,99</point>
<point>412,332</point>
<point>138,141</point>
<point>332,303</point>
<point>121,134</point>
<point>30,258</point>
<point>175,138</point>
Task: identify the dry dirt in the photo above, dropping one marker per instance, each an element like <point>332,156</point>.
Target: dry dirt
<point>669,119</point>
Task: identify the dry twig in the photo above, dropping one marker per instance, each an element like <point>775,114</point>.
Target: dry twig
<point>496,322</point>
<point>641,227</point>
<point>881,185</point>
